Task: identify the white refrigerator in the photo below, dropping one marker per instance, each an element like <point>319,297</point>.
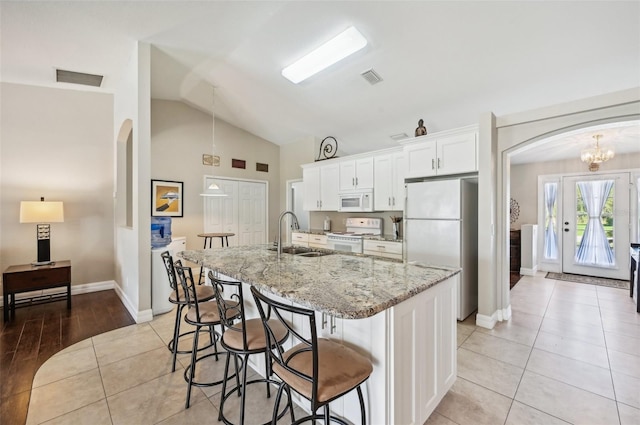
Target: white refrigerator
<point>441,228</point>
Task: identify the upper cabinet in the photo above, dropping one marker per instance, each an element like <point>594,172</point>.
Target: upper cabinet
<point>443,153</point>
<point>388,182</point>
<point>451,152</point>
<point>356,174</point>
<point>321,188</point>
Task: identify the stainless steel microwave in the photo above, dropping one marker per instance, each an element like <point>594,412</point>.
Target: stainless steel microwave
<point>356,201</point>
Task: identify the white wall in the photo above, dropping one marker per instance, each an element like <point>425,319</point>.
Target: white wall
<point>180,135</point>
<point>57,143</point>
<point>133,258</point>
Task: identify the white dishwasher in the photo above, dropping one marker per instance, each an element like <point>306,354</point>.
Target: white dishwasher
<point>160,289</point>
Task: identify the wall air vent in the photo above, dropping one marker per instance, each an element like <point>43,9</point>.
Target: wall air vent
<point>64,76</point>
<point>371,76</point>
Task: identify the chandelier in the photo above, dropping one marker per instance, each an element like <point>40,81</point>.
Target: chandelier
<point>594,156</point>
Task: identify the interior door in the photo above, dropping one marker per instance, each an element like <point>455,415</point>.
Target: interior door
<point>252,218</point>
<point>595,225</point>
<point>221,212</point>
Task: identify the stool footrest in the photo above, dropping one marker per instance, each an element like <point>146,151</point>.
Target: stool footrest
<point>254,381</point>
<point>170,344</point>
<point>187,371</point>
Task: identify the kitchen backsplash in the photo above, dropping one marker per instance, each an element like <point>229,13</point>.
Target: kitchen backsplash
<point>338,219</point>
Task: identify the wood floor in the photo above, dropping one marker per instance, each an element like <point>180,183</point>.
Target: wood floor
<point>40,331</point>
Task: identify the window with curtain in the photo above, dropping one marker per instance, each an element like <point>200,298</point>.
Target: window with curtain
<point>550,221</point>
<point>594,232</point>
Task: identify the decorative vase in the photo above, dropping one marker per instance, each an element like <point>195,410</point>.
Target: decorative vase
<point>396,231</point>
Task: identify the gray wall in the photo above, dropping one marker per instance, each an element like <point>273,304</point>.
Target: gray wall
<point>524,180</point>
<point>180,135</point>
<point>59,144</point>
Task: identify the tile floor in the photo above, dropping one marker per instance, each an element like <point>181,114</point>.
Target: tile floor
<point>570,354</point>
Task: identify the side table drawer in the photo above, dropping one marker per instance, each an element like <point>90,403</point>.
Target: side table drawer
<point>36,279</point>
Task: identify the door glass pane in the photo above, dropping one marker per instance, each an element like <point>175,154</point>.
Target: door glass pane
<point>550,220</point>
<point>595,223</point>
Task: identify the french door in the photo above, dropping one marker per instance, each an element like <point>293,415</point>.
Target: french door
<point>595,225</point>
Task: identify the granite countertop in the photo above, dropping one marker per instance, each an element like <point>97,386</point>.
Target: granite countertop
<point>387,238</point>
<point>342,285</point>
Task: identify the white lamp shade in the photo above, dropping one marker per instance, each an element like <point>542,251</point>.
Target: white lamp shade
<point>41,212</point>
<point>213,190</point>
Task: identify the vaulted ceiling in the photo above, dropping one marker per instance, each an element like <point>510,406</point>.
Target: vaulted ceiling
<point>444,62</point>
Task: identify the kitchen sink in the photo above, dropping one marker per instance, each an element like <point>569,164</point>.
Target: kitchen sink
<point>302,251</point>
<point>314,254</point>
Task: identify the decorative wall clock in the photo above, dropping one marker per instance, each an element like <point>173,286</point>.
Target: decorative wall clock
<point>514,210</point>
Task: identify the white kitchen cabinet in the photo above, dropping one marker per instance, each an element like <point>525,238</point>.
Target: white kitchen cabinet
<point>445,153</point>
<point>317,241</point>
<point>386,249</point>
<point>426,369</point>
<point>321,188</point>
<point>412,346</point>
<point>356,174</point>
<point>300,239</point>
<point>388,182</point>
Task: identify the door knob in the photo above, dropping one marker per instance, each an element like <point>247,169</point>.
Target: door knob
<point>566,223</point>
<point>566,230</point>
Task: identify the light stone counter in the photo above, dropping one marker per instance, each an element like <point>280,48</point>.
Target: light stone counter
<point>341,285</point>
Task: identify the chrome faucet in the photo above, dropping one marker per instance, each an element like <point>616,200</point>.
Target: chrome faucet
<point>296,226</point>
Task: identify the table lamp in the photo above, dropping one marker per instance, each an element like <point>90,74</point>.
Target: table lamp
<point>42,212</point>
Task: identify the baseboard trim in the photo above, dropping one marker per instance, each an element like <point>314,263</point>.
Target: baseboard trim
<point>528,272</point>
<point>489,322</point>
<point>92,287</point>
<point>84,288</point>
<point>485,321</point>
<point>139,316</point>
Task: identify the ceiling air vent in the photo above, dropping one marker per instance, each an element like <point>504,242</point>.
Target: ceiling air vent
<point>371,76</point>
<point>63,76</point>
<point>399,136</point>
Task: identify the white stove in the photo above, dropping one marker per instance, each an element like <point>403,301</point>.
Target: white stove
<point>352,239</point>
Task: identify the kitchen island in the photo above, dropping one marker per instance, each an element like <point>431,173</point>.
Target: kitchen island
<point>402,316</point>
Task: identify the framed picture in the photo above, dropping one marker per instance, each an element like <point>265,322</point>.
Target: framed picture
<point>166,198</point>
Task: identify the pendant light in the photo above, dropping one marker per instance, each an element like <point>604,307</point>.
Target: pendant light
<point>595,156</point>
<point>213,189</point>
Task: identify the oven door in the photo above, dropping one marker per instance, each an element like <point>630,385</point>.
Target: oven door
<point>345,244</point>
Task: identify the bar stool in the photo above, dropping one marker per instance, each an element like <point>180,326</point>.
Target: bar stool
<point>203,293</point>
<point>244,338</point>
<point>200,314</point>
<point>318,369</point>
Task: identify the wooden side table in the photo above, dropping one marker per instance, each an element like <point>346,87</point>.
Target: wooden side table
<point>25,278</point>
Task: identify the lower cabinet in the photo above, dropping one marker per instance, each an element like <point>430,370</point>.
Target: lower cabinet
<point>386,249</point>
<point>412,346</point>
<point>317,241</point>
<point>300,239</point>
<point>424,357</point>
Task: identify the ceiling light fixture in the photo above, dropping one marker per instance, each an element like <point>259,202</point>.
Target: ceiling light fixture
<point>213,189</point>
<point>594,156</point>
<point>334,50</point>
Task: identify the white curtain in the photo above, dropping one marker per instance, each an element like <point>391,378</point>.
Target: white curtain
<point>594,247</point>
<point>550,236</point>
